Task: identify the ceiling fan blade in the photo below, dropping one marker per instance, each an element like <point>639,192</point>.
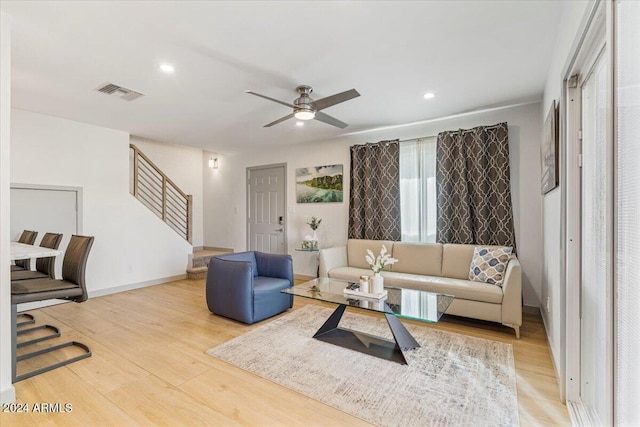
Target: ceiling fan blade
<point>286,104</point>
<point>321,104</point>
<point>330,120</point>
<point>282,119</point>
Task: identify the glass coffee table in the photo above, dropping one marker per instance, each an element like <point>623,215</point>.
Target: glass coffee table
<point>399,303</point>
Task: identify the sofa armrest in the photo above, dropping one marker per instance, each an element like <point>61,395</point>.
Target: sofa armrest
<point>331,258</point>
<point>229,289</point>
<point>512,294</point>
<point>275,265</point>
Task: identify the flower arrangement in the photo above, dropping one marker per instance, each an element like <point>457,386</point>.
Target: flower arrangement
<point>378,263</point>
<point>314,223</point>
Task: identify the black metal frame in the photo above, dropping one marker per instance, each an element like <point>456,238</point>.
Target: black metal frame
<point>15,345</point>
<point>55,334</point>
<point>367,343</point>
<point>31,320</point>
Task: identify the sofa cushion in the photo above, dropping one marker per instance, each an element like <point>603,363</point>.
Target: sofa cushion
<point>349,274</point>
<point>489,265</point>
<point>357,249</point>
<point>462,289</point>
<point>418,258</point>
<point>456,260</point>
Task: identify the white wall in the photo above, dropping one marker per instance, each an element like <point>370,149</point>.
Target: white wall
<point>182,165</point>
<point>552,284</point>
<point>7,391</point>
<point>225,193</point>
<point>132,246</point>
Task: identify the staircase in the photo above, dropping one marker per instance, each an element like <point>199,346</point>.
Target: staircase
<point>200,262</point>
<point>158,193</point>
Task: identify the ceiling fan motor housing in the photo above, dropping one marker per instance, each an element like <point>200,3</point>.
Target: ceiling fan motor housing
<point>303,103</point>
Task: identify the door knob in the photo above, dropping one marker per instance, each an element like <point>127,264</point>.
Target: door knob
<point>280,229</point>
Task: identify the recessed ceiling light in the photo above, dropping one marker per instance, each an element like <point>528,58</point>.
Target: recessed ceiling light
<point>167,68</point>
<point>299,123</point>
<point>429,95</point>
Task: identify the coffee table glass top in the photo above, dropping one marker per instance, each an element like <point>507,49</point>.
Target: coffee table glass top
<point>404,303</point>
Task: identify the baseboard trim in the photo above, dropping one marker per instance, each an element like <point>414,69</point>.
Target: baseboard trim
<point>8,395</point>
<point>559,377</point>
<point>216,248</point>
<point>132,286</point>
<point>39,304</point>
<point>579,415</point>
<point>303,277</point>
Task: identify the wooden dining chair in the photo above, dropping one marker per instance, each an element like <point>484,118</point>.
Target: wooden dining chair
<point>27,237</point>
<point>45,267</point>
<point>72,287</point>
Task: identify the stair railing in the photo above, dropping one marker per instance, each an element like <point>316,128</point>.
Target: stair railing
<point>158,193</point>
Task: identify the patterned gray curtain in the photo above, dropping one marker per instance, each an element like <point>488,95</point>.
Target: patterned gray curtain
<point>474,195</point>
<point>374,201</point>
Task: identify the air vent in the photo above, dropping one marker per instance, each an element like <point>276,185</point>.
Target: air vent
<point>119,91</point>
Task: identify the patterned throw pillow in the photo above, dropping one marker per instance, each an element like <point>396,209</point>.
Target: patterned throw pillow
<point>488,265</point>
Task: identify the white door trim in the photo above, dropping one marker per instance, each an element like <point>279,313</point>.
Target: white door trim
<point>595,37</point>
<point>248,196</point>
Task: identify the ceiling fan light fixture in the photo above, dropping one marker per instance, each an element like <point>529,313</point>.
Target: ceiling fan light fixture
<point>305,115</point>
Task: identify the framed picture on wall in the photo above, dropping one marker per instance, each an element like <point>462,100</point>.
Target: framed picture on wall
<point>549,151</point>
<point>319,184</point>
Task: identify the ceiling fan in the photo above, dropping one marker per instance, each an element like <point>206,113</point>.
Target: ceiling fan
<point>305,108</point>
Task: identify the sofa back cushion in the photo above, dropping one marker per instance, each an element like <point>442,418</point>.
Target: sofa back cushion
<point>418,258</point>
<point>357,250</point>
<point>456,260</point>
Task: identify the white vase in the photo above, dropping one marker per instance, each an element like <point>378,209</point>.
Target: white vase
<point>377,284</point>
<point>315,236</point>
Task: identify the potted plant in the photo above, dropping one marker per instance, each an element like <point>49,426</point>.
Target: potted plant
<point>377,264</point>
<point>314,223</point>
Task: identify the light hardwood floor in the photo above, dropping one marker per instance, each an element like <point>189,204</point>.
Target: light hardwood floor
<point>149,368</point>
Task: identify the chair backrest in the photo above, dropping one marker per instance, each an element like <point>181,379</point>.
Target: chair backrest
<point>47,265</point>
<point>74,263</point>
<point>28,237</point>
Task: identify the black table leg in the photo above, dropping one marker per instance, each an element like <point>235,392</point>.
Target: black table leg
<point>367,343</point>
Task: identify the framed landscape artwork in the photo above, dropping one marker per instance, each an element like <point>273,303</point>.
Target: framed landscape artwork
<point>549,151</point>
<point>319,184</point>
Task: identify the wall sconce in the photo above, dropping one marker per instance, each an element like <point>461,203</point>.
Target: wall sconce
<point>213,163</point>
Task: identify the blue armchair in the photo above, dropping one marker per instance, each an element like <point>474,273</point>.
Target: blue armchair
<point>246,286</point>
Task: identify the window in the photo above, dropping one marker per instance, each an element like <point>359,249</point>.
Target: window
<point>418,190</point>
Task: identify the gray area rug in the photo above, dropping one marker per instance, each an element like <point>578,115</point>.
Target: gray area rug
<point>452,380</point>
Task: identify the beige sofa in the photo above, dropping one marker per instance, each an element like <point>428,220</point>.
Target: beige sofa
<point>434,267</point>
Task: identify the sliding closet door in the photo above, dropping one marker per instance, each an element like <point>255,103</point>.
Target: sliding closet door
<point>628,214</point>
<point>596,312</point>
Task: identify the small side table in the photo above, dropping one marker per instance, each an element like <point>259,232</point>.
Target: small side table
<point>317,255</point>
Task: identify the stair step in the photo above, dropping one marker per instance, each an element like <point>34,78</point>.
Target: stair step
<point>200,263</point>
<point>197,273</point>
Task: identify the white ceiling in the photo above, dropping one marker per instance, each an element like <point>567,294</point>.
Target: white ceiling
<point>472,54</point>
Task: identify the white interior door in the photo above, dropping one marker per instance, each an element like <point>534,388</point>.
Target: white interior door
<point>266,222</point>
<point>596,248</point>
